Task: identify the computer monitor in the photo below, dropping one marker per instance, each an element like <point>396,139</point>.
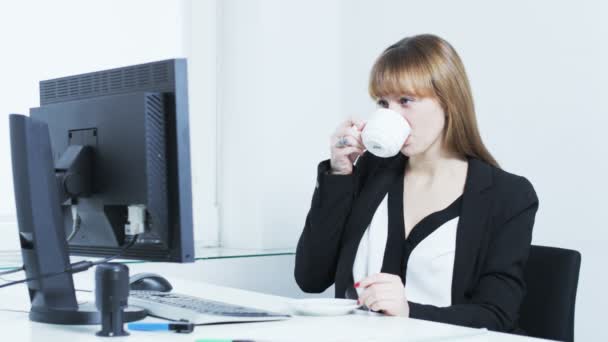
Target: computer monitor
<point>133,125</point>
<point>105,157</point>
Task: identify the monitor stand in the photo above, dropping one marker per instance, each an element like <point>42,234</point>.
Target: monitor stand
<point>43,242</point>
<point>84,314</point>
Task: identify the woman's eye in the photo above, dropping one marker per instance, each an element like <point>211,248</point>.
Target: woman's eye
<point>404,100</point>
<point>382,103</point>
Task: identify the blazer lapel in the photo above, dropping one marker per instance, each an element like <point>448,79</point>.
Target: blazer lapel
<point>378,185</point>
<point>471,226</point>
<point>385,174</point>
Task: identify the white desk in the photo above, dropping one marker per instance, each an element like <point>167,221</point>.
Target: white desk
<point>15,326</point>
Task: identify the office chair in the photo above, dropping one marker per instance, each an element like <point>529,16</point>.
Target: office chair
<point>551,276</point>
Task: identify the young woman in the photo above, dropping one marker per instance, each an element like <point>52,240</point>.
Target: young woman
<point>438,232</point>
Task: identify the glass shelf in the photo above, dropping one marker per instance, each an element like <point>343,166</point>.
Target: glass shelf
<point>12,258</point>
<point>209,253</point>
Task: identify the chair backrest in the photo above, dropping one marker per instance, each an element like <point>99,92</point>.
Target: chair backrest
<point>551,276</point>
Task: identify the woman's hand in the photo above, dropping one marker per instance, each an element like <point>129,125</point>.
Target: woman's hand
<point>384,292</point>
<point>346,146</point>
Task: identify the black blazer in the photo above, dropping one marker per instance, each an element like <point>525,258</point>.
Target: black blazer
<point>492,241</point>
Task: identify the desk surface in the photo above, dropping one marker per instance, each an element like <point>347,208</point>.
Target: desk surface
<point>355,327</point>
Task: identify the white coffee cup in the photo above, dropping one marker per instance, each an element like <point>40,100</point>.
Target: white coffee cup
<point>385,133</point>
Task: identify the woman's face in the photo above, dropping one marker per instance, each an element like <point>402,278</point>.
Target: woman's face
<point>426,119</point>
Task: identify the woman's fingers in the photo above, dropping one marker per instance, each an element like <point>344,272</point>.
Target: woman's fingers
<point>385,306</point>
<point>383,291</point>
<point>346,146</point>
<point>378,278</point>
<point>347,140</point>
<point>353,133</point>
<point>381,287</point>
<point>360,124</point>
<point>351,129</point>
<point>348,151</point>
<point>387,297</point>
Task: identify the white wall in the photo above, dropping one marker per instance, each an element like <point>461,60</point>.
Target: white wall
<point>42,40</point>
<point>280,74</point>
<point>292,70</point>
<point>200,30</point>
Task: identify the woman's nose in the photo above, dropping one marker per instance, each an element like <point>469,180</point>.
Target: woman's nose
<point>394,106</point>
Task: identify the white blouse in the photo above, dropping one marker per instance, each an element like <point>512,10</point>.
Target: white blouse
<point>430,267</point>
<point>430,264</point>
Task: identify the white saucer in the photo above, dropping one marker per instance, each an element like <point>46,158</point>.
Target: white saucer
<point>323,306</point>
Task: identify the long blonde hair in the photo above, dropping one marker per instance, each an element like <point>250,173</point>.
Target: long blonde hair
<point>428,66</point>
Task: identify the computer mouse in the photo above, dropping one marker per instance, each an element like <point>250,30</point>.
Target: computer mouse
<point>149,282</point>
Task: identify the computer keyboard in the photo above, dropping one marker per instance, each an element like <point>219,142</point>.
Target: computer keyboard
<point>175,306</point>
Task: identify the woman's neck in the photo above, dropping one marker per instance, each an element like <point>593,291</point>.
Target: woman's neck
<point>434,163</point>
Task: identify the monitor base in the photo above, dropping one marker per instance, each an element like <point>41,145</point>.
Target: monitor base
<point>86,314</point>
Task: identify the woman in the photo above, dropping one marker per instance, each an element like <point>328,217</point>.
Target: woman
<point>457,228</point>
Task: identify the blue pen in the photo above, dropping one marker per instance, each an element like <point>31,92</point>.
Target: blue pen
<point>177,327</point>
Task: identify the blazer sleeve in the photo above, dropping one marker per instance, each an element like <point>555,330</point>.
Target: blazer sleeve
<point>495,301</point>
<point>319,245</point>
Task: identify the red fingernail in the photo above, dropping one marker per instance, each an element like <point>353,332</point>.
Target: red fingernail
<point>358,302</point>
<point>357,284</point>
